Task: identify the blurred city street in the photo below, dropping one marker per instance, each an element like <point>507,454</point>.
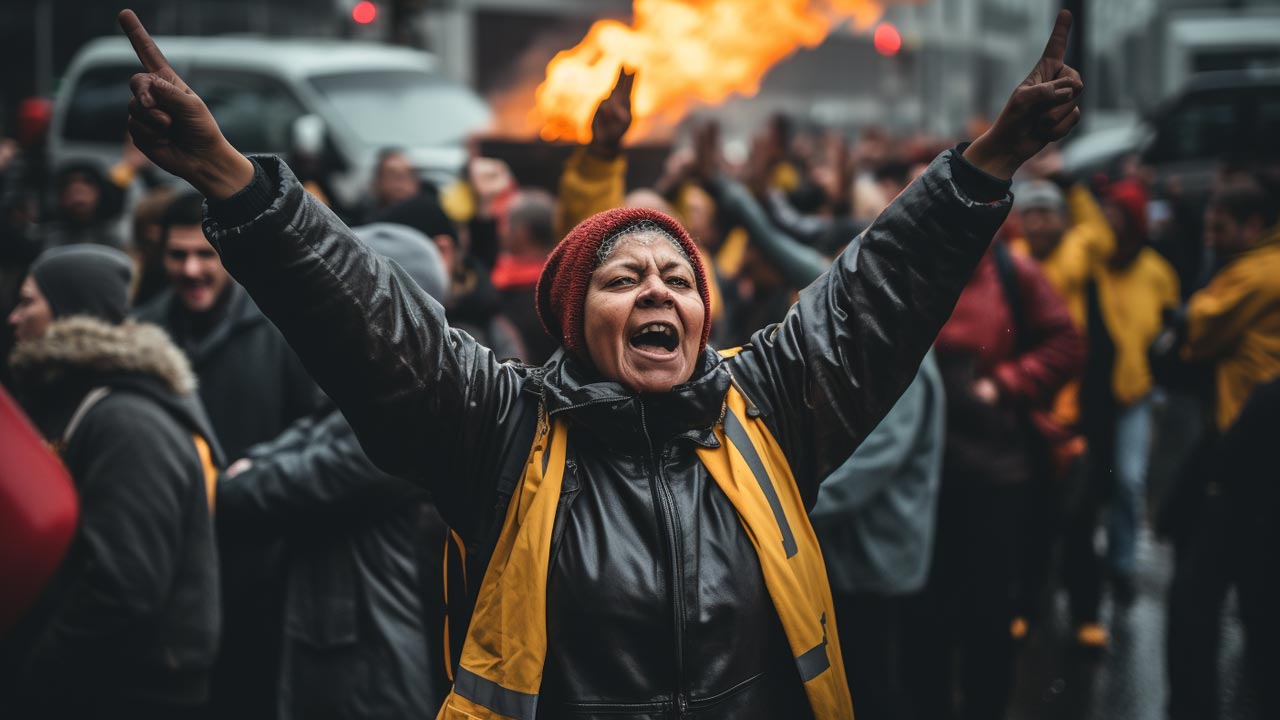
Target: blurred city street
<point>1059,681</point>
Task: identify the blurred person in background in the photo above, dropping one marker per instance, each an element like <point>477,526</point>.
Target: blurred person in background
<point>1228,504</point>
<point>1066,234</point>
<point>486,196</point>
<point>129,626</point>
<point>146,244</point>
<point>1009,347</point>
<point>309,153</point>
<point>362,632</point>
<point>88,207</point>
<point>474,303</point>
<point>1233,322</point>
<point>525,245</point>
<point>1135,287</point>
<point>251,383</point>
<point>19,243</point>
<point>829,226</point>
<point>875,519</point>
<point>253,387</point>
<point>394,181</point>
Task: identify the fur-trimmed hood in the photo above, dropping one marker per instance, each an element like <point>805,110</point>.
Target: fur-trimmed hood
<point>82,348</point>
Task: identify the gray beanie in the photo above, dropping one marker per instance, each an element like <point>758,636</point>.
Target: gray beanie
<point>1038,195</point>
<point>413,251</point>
<point>83,279</point>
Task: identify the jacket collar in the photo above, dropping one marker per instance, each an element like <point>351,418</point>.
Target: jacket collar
<point>628,420</point>
<point>77,354</point>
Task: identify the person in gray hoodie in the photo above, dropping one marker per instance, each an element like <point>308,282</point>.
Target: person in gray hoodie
<point>875,520</point>
<point>875,513</point>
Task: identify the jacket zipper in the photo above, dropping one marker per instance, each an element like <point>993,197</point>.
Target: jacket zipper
<point>666,508</point>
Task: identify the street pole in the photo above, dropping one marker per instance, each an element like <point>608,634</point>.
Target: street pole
<point>1077,45</point>
<point>44,48</point>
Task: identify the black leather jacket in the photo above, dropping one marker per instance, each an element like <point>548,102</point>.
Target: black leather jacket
<point>356,642</point>
<point>656,604</point>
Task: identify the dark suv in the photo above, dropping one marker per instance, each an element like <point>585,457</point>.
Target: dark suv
<point>1231,115</point>
<point>1220,116</point>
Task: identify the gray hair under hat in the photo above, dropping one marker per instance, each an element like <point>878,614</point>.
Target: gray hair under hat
<point>413,251</point>
<point>1038,195</point>
<point>85,279</point>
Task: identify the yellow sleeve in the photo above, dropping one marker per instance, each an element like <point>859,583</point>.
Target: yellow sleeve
<point>1090,224</point>
<point>589,185</point>
<point>1217,316</point>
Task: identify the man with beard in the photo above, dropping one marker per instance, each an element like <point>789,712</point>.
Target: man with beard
<point>250,381</point>
<point>253,387</point>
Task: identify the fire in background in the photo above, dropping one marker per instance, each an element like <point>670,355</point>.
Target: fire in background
<point>686,52</point>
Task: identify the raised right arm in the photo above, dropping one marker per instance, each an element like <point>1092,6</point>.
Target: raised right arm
<point>414,389</point>
<point>421,396</point>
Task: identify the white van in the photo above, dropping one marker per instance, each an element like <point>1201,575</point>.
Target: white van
<point>262,91</point>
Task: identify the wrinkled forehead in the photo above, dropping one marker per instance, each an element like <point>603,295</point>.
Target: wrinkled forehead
<point>644,237</point>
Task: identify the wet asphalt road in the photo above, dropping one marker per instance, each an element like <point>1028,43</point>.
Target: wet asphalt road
<point>1056,681</point>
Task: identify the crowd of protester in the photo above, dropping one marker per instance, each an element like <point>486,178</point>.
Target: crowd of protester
<point>239,556</point>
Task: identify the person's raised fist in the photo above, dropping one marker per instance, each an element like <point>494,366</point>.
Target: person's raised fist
<point>613,117</point>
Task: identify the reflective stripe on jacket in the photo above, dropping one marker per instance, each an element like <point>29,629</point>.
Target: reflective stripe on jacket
<point>501,670</point>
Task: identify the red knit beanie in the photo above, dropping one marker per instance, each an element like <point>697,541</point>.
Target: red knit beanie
<point>562,288</point>
<point>1130,195</point>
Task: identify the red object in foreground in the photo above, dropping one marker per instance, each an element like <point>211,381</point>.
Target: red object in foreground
<point>39,510</point>
<point>364,12</point>
<point>887,39</point>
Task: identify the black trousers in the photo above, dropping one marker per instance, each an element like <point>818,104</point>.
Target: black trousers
<point>1226,527</point>
<point>871,643</point>
<point>1228,545</point>
<point>958,655</point>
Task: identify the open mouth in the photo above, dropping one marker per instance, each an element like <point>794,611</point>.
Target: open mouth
<point>659,336</point>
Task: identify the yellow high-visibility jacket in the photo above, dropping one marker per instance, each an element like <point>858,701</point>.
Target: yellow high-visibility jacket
<point>1235,322</point>
<point>500,673</point>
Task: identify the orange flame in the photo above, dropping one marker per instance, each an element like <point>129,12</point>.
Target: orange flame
<point>684,52</point>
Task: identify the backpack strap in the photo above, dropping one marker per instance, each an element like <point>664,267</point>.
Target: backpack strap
<point>208,467</point>
<point>94,397</point>
<point>1008,275</point>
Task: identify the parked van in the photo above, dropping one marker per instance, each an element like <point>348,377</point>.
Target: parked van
<point>265,93</point>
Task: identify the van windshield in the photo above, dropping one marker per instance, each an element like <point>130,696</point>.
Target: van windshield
<point>403,108</point>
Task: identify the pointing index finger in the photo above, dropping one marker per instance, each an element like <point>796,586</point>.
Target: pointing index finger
<point>1056,48</point>
<point>145,48</point>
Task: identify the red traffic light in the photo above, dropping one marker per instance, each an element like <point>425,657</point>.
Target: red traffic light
<point>364,12</point>
<point>887,39</point>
